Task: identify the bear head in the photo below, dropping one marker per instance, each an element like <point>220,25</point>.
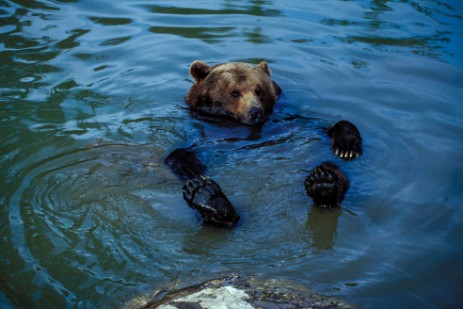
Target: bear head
<point>238,90</point>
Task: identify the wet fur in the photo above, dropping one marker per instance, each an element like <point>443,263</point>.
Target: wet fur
<point>199,191</point>
<point>206,196</point>
<point>238,90</point>
<point>326,185</point>
<point>212,93</point>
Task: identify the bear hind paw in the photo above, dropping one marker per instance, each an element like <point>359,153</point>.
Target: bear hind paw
<point>206,196</point>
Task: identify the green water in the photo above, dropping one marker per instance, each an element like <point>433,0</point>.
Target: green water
<point>91,102</point>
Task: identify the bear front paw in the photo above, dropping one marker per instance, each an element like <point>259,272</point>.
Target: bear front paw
<point>326,185</point>
<point>206,196</point>
<point>346,141</point>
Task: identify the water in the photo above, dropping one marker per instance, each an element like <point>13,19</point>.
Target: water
<point>92,101</point>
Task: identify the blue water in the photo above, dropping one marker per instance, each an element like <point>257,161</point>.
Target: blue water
<point>91,102</point>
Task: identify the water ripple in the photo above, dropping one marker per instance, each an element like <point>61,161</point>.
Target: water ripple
<point>92,206</point>
<point>92,100</point>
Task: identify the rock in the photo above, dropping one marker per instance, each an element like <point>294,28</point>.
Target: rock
<point>241,292</point>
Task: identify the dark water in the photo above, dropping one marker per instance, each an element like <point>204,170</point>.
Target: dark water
<point>92,101</point>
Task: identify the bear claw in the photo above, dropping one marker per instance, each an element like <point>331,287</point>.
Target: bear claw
<point>206,196</point>
<point>346,141</point>
<point>346,154</point>
<point>326,185</point>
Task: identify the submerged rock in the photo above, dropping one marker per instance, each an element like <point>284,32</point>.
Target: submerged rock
<point>240,292</point>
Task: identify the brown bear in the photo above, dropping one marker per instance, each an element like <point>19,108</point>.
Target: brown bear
<point>246,93</point>
<point>238,90</point>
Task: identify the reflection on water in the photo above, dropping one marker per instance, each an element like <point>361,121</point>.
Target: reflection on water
<point>253,8</point>
<point>322,224</point>
<point>91,101</point>
<point>210,35</point>
<point>194,21</point>
<point>382,32</point>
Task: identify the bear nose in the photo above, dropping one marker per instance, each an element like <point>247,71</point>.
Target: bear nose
<point>256,115</point>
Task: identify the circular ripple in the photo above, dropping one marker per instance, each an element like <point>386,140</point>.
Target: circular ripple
<point>104,216</point>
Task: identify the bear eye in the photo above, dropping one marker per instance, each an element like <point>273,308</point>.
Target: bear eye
<point>235,93</point>
<point>258,91</point>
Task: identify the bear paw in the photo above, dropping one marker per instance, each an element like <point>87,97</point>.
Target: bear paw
<point>346,141</point>
<point>326,185</point>
<point>205,195</point>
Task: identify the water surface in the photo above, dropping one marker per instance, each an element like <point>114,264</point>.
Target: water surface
<point>92,101</point>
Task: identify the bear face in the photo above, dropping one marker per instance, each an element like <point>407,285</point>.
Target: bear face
<point>238,90</point>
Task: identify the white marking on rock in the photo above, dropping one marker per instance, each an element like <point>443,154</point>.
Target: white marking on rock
<point>226,297</point>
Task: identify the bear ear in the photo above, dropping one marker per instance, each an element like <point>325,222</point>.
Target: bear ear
<point>264,67</point>
<point>199,70</point>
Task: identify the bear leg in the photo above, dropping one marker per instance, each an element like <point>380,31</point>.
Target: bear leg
<point>346,141</point>
<point>206,196</point>
<point>326,185</point>
<point>185,164</point>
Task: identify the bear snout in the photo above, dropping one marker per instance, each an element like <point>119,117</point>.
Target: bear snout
<point>256,115</point>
